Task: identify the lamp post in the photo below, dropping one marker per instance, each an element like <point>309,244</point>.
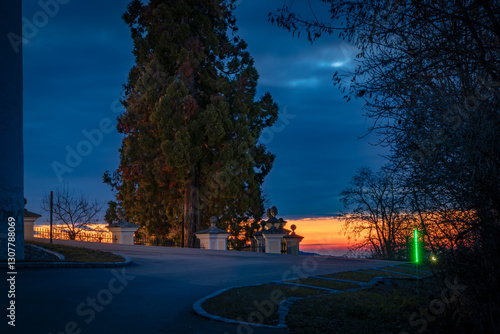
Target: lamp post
<point>51,204</point>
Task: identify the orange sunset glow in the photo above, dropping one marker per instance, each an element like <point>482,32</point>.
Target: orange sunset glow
<point>321,235</point>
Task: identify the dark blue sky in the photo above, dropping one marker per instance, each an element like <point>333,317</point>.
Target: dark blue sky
<point>77,58</point>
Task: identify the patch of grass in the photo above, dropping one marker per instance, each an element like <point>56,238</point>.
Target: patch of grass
<point>412,266</point>
<point>325,283</point>
<point>352,276</point>
<point>406,271</point>
<point>381,309</point>
<point>254,304</point>
<point>379,273</point>
<point>79,254</point>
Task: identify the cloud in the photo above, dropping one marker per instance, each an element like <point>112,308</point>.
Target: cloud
<point>309,67</point>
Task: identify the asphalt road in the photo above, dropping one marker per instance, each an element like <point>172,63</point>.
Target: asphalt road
<point>155,293</point>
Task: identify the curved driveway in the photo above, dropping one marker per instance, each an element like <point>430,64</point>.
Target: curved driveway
<point>156,292</point>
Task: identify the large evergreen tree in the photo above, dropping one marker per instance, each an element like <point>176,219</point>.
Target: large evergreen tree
<point>192,122</point>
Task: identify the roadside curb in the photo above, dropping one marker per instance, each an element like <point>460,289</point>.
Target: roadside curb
<point>198,309</point>
<point>60,256</point>
<point>22,265</point>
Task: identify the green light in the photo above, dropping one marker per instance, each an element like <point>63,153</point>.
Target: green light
<point>415,237</point>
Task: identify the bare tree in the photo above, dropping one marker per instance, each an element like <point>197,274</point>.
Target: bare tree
<point>73,211</point>
<point>429,75</point>
<point>379,214</point>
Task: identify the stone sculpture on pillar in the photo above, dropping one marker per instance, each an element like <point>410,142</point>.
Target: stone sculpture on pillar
<point>274,238</point>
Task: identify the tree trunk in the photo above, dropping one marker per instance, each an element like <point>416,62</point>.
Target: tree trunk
<point>191,207</point>
<point>11,132</point>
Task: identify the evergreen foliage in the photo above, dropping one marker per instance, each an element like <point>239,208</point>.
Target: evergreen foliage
<point>192,122</point>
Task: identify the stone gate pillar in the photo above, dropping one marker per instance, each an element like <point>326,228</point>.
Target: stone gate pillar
<point>122,232</point>
<point>213,237</point>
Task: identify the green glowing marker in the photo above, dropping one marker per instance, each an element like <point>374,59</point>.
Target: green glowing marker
<point>415,237</point>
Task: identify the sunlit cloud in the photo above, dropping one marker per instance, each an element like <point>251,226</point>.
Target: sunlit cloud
<point>307,82</point>
<point>338,63</point>
<point>306,67</point>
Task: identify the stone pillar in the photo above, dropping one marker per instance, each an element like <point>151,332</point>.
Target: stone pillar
<point>292,242</point>
<point>292,245</point>
<point>259,242</point>
<point>213,237</point>
<point>123,232</point>
<point>273,241</point>
<point>29,224</point>
<point>273,234</point>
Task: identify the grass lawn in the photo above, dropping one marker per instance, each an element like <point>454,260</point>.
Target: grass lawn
<point>381,309</point>
<point>407,271</point>
<point>325,283</point>
<point>379,273</point>
<point>254,304</point>
<point>79,254</point>
<point>412,266</point>
<point>353,276</point>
